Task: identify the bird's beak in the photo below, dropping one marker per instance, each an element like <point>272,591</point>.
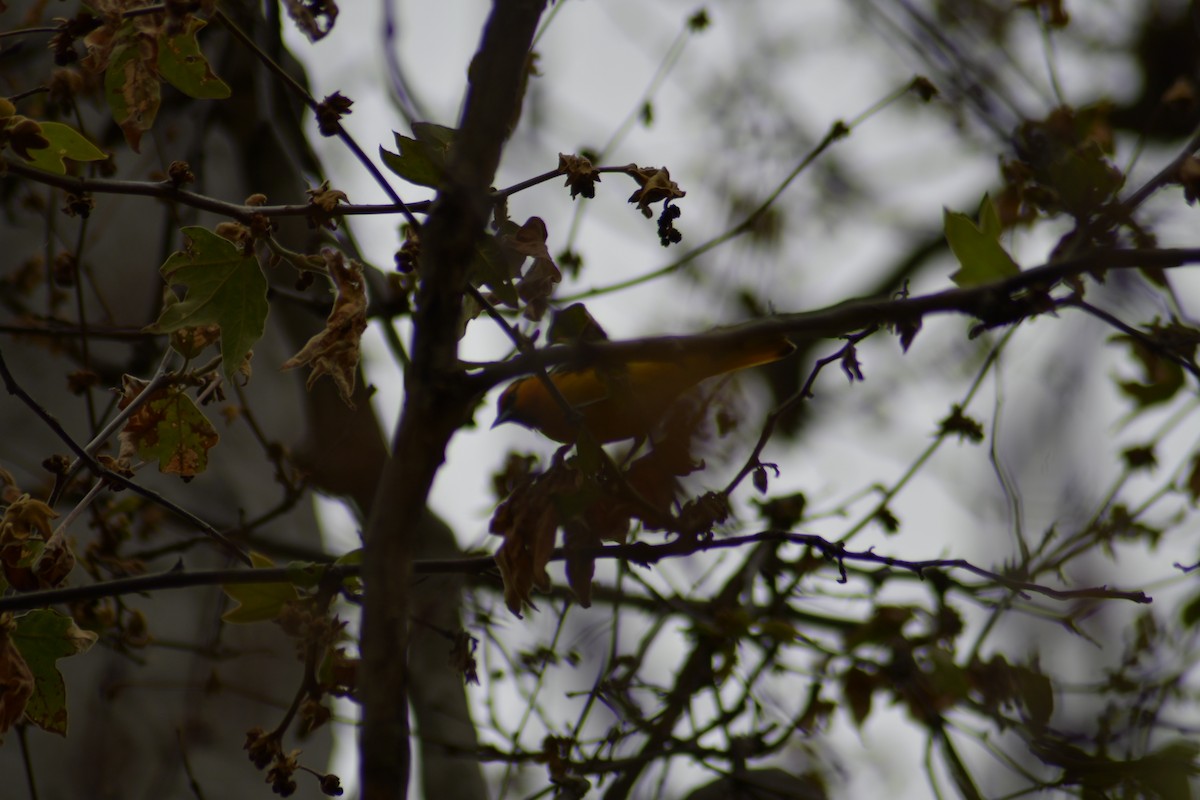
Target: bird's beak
<point>503,415</point>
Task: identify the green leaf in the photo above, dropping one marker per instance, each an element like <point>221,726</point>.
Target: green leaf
<point>258,602</point>
<point>857,688</point>
<point>1167,772</point>
<point>421,160</point>
<point>308,574</point>
<point>1189,615</point>
<point>989,219</point>
<point>65,142</point>
<point>437,138</point>
<point>1036,693</point>
<point>305,574</point>
<point>977,247</point>
<point>226,288</point>
<point>355,556</point>
<point>1084,179</point>
<point>182,65</point>
<point>43,637</point>
<point>169,428</point>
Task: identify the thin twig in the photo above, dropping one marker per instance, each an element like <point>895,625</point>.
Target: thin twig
<point>1140,336</point>
<point>837,131</point>
<point>100,470</point>
<point>301,91</point>
<point>1167,175</point>
<point>27,761</point>
<point>193,784</point>
<point>93,447</point>
<point>804,393</point>
<point>844,318</point>
<point>175,578</point>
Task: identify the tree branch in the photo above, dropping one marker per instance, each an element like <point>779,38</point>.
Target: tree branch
<point>998,303</point>
<point>436,399</point>
<point>10,383</point>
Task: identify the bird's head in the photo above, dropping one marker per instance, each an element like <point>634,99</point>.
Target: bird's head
<point>508,407</point>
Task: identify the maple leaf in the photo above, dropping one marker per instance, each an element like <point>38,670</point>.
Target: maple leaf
<point>181,64</point>
<point>258,602</point>
<point>169,428</point>
<point>225,287</point>
<point>977,246</point>
<point>421,160</point>
<point>43,637</point>
<point>131,83</point>
<point>62,141</point>
<point>335,350</point>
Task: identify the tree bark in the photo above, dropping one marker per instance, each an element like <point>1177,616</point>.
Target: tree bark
<point>436,396</point>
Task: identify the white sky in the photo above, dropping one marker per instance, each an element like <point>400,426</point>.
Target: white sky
<point>597,58</point>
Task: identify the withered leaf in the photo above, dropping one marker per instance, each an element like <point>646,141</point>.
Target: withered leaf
<point>16,683</point>
<point>528,520</point>
<point>654,184</point>
<point>169,428</point>
<point>335,350</point>
<point>582,177</point>
<point>537,285</point>
<point>24,531</point>
<point>314,18</point>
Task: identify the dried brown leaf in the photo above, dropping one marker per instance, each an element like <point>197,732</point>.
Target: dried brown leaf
<point>528,521</point>
<point>16,682</point>
<point>335,350</point>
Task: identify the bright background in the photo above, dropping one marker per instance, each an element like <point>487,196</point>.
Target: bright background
<point>744,102</point>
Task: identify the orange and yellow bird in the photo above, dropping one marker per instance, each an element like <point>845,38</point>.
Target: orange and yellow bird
<point>627,400</point>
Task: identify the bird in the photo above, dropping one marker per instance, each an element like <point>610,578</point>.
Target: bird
<point>625,401</point>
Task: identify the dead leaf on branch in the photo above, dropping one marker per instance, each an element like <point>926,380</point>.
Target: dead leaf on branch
<point>324,204</point>
<point>25,518</point>
<point>330,112</point>
<point>9,490</point>
<point>314,18</point>
<point>335,350</point>
<point>16,681</point>
<point>125,50</point>
<point>499,261</point>
<point>654,184</point>
<point>537,285</point>
<point>30,555</point>
<point>591,511</point>
<point>54,564</point>
<point>582,177</point>
<point>528,521</point>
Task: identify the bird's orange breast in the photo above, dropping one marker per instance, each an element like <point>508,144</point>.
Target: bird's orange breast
<point>626,401</point>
